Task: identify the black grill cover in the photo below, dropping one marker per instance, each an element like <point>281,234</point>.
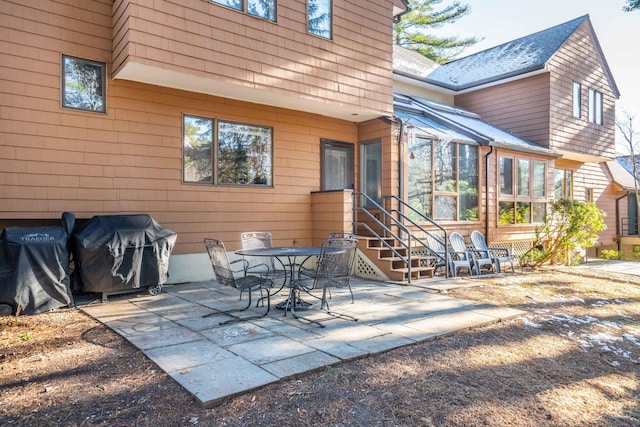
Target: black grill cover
<point>34,267</point>
<point>122,252</point>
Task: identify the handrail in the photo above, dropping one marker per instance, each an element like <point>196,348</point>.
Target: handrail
<point>424,218</point>
<point>388,217</point>
<point>371,203</point>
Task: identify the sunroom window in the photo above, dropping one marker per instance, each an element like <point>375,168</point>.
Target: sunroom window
<point>243,152</point>
<point>443,179</point>
<point>527,204</point>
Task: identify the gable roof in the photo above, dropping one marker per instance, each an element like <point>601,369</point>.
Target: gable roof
<point>447,122</point>
<point>622,172</point>
<point>524,55</point>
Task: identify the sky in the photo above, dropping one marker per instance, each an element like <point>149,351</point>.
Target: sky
<point>499,21</point>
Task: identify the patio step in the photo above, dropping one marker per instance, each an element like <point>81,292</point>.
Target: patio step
<point>391,264</point>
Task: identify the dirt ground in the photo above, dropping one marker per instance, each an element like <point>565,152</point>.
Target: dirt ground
<point>572,360</point>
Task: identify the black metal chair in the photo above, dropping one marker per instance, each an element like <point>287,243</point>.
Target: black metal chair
<point>332,270</point>
<point>224,275</point>
<point>499,256</point>
<point>265,266</point>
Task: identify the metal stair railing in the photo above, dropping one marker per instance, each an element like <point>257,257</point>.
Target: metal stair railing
<point>394,219</point>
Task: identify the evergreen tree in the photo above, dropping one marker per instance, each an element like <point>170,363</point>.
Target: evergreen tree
<point>412,31</point>
<point>631,5</point>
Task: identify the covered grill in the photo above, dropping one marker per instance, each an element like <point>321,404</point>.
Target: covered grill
<point>121,253</point>
<point>35,267</point>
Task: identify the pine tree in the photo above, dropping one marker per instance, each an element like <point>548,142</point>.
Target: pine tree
<point>412,31</point>
<point>631,5</point>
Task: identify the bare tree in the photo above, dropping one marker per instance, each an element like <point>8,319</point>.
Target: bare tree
<point>631,137</point>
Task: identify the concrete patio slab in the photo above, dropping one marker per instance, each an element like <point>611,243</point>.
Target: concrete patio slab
<point>214,361</point>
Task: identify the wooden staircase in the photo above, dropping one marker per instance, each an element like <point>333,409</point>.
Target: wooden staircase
<point>392,265</point>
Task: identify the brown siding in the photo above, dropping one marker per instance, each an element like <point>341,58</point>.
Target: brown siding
<point>129,161</point>
<point>520,106</point>
<point>579,60</point>
<point>204,39</point>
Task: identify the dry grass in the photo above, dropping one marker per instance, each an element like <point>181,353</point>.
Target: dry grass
<point>573,360</point>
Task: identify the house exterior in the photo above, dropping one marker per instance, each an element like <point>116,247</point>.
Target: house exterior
<point>217,117</point>
<point>552,88</point>
<point>211,116</point>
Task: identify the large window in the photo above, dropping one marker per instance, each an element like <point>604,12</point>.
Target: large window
<point>243,152</point>
<point>595,106</point>
<point>319,18</point>
<point>527,204</point>
<point>563,184</point>
<point>443,179</point>
<point>577,99</point>
<point>83,84</point>
<point>261,8</point>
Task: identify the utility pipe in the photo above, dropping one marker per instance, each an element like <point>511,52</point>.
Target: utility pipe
<point>486,192</point>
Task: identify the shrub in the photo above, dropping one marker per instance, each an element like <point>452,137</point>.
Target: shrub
<point>569,226</point>
<point>610,254</point>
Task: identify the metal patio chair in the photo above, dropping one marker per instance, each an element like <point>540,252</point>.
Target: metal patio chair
<point>500,256</point>
<point>332,270</point>
<point>224,275</point>
<point>461,257</point>
<point>265,266</point>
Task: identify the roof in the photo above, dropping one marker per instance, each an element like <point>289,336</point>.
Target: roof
<point>444,121</point>
<point>523,55</point>
<point>409,62</point>
<point>622,172</point>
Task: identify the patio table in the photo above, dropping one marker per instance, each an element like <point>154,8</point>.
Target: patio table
<point>290,253</point>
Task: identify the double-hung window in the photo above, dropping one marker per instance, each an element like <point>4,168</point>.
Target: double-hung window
<point>522,195</point>
<point>261,8</point>
<point>443,179</point>
<point>595,106</point>
<point>319,18</point>
<point>226,153</point>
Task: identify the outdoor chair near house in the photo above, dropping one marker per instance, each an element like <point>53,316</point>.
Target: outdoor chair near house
<point>461,256</point>
<point>225,276</point>
<point>332,270</point>
<point>264,266</point>
<point>500,256</point>
<point>439,251</point>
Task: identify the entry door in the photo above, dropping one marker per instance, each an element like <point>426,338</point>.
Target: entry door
<point>337,165</point>
<point>371,171</point>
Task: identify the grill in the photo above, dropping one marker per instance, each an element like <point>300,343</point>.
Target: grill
<point>122,253</point>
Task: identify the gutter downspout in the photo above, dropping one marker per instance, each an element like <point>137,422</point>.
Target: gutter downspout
<point>486,191</point>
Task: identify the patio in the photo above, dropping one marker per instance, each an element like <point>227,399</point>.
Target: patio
<point>213,362</point>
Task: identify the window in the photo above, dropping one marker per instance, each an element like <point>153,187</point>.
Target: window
<point>588,195</point>
<point>83,84</point>
<point>595,106</point>
<point>527,204</point>
<point>577,99</point>
<point>443,179</point>
<point>563,184</point>
<point>336,160</point>
<point>243,152</point>
<point>319,18</point>
<point>261,8</point>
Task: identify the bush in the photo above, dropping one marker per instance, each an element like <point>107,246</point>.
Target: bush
<point>610,254</point>
<point>569,226</point>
